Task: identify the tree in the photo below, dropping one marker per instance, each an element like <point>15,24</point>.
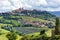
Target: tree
<point>11,36</point>
<point>57,26</point>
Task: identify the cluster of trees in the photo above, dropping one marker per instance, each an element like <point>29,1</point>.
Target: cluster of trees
<point>57,27</point>
<point>56,31</point>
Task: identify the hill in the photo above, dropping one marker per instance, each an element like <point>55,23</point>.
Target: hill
<point>24,18</point>
<point>57,13</point>
<point>45,15</point>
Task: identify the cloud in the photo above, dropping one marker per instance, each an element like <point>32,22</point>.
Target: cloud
<point>49,5</point>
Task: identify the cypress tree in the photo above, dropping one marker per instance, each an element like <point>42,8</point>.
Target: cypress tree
<point>57,26</point>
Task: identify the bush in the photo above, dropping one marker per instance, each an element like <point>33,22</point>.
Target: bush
<point>57,37</point>
<point>11,36</point>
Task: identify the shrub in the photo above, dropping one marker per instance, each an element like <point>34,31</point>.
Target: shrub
<point>57,37</point>
<point>11,36</point>
<point>57,27</point>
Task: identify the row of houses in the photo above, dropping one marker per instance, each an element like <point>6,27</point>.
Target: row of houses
<point>39,24</point>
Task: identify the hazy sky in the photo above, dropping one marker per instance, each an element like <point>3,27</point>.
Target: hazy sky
<point>49,5</point>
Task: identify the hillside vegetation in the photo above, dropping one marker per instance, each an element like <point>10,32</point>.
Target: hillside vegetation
<point>20,25</point>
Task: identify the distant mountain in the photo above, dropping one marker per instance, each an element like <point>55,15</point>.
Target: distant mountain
<point>57,13</point>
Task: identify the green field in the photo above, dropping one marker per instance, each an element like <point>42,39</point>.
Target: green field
<point>3,36</point>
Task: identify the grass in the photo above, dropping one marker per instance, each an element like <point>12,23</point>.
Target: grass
<point>28,30</point>
<point>34,19</point>
<point>4,31</point>
<point>19,37</point>
<point>1,24</point>
<point>1,17</point>
<point>48,33</point>
<point>37,35</point>
<point>3,37</point>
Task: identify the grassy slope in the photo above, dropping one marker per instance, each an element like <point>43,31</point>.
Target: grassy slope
<point>48,33</point>
<point>3,36</point>
<point>34,19</point>
<point>24,19</point>
<point>1,24</point>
